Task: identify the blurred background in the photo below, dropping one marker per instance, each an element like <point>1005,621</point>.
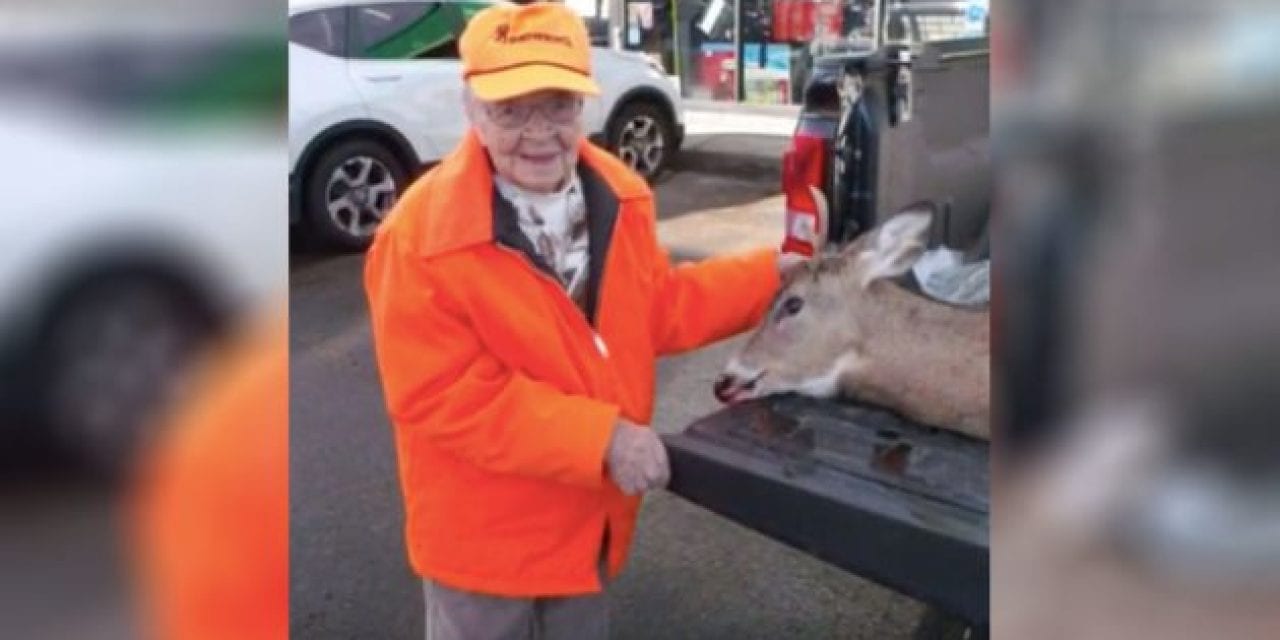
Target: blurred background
<point>143,253</point>
<point>143,270</point>
<point>1137,486</point>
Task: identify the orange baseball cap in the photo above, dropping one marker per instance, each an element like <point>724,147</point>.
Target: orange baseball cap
<point>511,50</point>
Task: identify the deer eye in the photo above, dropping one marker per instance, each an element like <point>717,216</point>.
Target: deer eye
<point>791,306</point>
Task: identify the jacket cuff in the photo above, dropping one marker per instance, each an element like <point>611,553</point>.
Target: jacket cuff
<point>764,267</point>
<point>595,421</point>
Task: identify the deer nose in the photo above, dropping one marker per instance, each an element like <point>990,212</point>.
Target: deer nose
<point>728,387</point>
<point>723,388</point>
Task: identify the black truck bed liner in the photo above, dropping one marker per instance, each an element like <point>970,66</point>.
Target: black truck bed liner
<point>898,503</point>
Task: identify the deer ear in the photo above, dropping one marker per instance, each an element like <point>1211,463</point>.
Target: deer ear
<point>896,244</point>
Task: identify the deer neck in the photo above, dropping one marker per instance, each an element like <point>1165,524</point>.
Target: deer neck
<point>935,354</point>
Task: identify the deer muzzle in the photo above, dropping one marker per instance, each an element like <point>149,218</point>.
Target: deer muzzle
<point>730,388</point>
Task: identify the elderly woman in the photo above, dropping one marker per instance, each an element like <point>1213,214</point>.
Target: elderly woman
<point>519,299</point>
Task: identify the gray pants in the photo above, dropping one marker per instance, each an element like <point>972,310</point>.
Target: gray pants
<point>461,615</point>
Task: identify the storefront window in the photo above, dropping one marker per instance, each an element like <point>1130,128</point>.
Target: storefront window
<point>921,22</point>
<point>768,62</point>
<point>693,40</point>
<point>697,41</point>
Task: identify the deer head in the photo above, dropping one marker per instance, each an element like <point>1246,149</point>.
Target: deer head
<point>840,326</point>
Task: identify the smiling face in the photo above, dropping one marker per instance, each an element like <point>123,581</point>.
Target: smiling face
<point>532,139</point>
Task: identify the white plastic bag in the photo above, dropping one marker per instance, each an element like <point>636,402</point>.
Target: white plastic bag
<point>943,276</point>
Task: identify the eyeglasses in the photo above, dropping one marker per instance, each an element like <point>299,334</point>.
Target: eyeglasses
<point>513,114</point>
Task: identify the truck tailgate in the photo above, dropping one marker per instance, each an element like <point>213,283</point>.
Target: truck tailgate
<point>895,502</point>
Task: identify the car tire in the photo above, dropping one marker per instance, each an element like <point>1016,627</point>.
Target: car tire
<point>349,189</point>
<point>643,135</point>
<point>111,353</point>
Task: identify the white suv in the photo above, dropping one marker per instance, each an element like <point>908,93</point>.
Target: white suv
<point>375,95</point>
<point>145,171</point>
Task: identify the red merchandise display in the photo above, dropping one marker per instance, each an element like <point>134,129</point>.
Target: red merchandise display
<point>712,73</point>
<point>796,20</point>
<point>781,20</point>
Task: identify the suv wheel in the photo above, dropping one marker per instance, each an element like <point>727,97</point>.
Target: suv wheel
<point>643,136</point>
<point>348,192</point>
<point>113,352</point>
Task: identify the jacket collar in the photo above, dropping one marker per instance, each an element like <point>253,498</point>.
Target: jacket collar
<point>602,215</point>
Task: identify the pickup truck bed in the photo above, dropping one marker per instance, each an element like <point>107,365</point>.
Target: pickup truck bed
<point>901,504</point>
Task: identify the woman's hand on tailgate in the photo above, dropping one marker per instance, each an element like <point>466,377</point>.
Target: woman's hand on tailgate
<point>636,458</point>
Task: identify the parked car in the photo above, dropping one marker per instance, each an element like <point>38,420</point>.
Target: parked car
<point>887,122</point>
<point>375,96</point>
<point>139,221</point>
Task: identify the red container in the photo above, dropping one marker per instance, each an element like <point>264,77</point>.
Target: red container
<point>799,19</point>
<point>781,25</point>
<point>832,17</point>
<point>803,166</point>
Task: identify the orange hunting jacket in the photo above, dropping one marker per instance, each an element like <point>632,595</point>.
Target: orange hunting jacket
<point>503,393</point>
<point>210,505</point>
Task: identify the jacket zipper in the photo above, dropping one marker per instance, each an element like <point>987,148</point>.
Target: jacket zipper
<point>597,341</point>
